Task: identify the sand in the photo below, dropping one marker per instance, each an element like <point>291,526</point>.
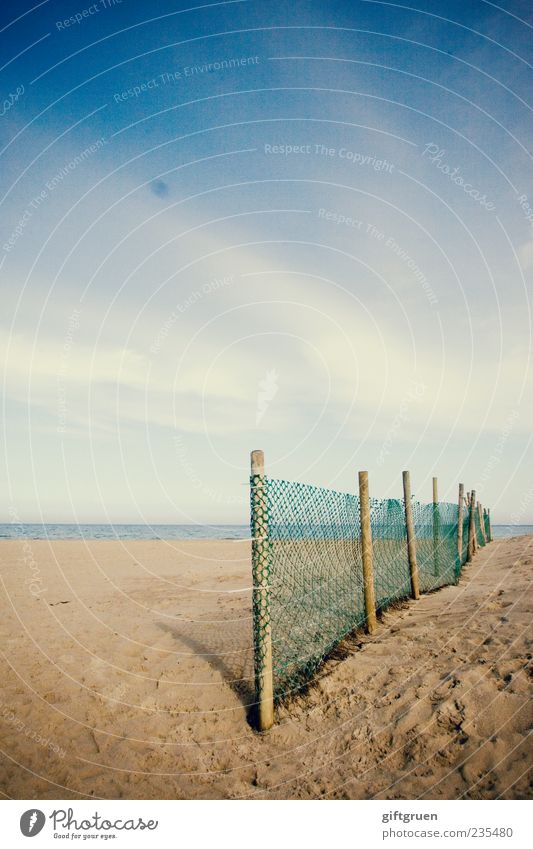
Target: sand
<point>127,668</point>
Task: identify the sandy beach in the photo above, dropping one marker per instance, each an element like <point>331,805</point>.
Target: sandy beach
<point>127,671</point>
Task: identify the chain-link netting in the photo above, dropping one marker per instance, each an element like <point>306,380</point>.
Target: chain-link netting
<point>308,572</point>
<point>392,577</point>
<point>436,544</point>
<point>316,576</point>
<point>479,531</point>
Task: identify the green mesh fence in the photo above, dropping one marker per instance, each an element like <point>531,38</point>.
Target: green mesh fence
<point>487,526</point>
<point>477,524</point>
<point>436,544</point>
<point>316,576</point>
<point>392,578</point>
<point>308,540</point>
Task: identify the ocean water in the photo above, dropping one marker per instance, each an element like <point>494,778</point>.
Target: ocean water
<point>506,531</point>
<point>53,531</point>
<point>57,531</point>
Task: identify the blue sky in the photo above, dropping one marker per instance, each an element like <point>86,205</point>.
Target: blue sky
<point>302,227</point>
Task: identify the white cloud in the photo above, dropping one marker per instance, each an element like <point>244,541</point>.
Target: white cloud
<point>525,254</point>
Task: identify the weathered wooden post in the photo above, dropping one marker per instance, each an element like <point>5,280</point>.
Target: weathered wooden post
<point>261,594</point>
<point>489,524</point>
<point>471,527</point>
<point>460,524</point>
<point>368,558</point>
<point>411,539</point>
<point>482,523</point>
<point>436,529</point>
<point>476,536</point>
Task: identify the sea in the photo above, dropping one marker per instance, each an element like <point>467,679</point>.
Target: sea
<point>92,531</point>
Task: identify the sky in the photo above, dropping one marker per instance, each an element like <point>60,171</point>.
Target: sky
<point>305,227</point>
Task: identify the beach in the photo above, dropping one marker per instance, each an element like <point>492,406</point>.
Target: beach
<point>127,672</point>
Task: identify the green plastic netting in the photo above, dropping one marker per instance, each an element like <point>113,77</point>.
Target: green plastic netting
<point>392,579</point>
<point>466,526</point>
<point>436,544</point>
<point>479,533</point>
<point>315,577</point>
<point>309,541</point>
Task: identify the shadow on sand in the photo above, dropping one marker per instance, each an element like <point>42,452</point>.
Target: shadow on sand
<point>229,652</point>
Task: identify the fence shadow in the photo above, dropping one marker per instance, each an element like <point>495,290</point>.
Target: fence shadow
<point>228,651</point>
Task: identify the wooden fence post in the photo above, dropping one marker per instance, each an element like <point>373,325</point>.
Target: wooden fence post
<point>478,507</point>
<point>436,528</point>
<point>411,539</point>
<point>482,523</point>
<point>489,524</point>
<point>460,524</point>
<point>476,540</point>
<point>471,527</point>
<point>261,595</point>
<point>368,558</point>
